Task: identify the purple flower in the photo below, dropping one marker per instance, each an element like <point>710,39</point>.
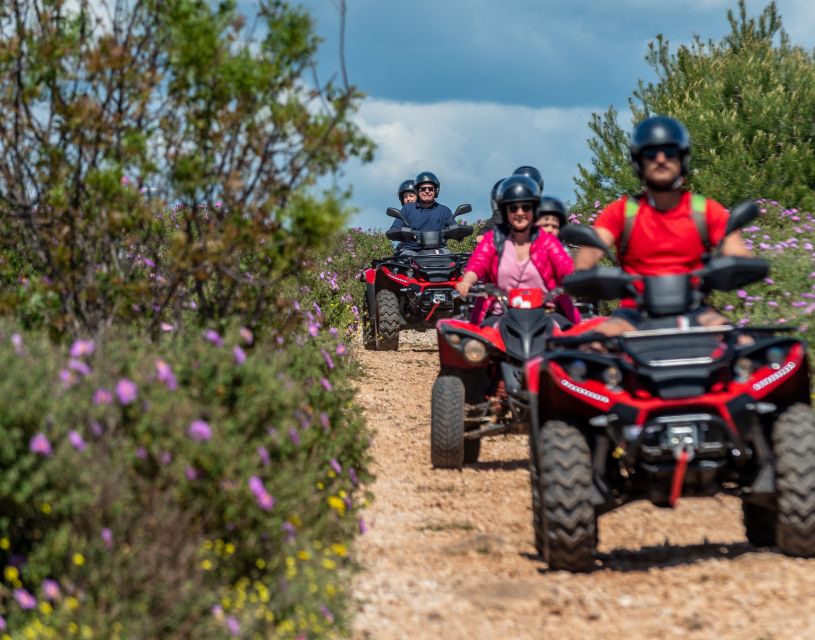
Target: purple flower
<point>191,474</point>
<point>50,590</point>
<point>102,396</point>
<point>107,537</point>
<point>326,384</point>
<point>67,378</point>
<point>264,456</point>
<point>166,457</point>
<point>341,350</point>
<point>327,614</point>
<point>2,623</point>
<point>325,421</point>
<point>165,374</point>
<point>233,626</point>
<point>25,599</point>
<point>247,336</point>
<point>335,465</point>
<point>313,329</point>
<point>81,348</point>
<point>40,445</point>
<point>199,431</point>
<point>141,453</point>
<point>166,327</point>
<point>353,475</point>
<point>291,531</point>
<point>17,343</point>
<point>295,437</point>
<point>264,499</point>
<point>214,337</point>
<point>75,438</point>
<point>240,355</point>
<point>741,293</point>
<point>363,528</point>
<point>79,366</point>
<point>327,357</point>
<point>126,391</point>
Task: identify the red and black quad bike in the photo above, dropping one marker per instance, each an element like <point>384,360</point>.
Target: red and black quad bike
<point>479,390</point>
<point>671,409</point>
<point>412,291</point>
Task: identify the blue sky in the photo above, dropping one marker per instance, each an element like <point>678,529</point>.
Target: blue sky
<point>471,89</point>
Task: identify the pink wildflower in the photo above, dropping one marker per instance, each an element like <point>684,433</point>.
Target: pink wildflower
<point>25,599</point>
<point>326,384</point>
<point>264,456</point>
<point>67,377</point>
<point>233,626</point>
<point>247,336</point>
<point>50,590</point>
<point>240,355</point>
<point>191,474</point>
<point>264,499</point>
<point>81,348</point>
<point>79,366</point>
<point>165,374</point>
<point>40,445</point>
<point>214,337</point>
<point>199,431</point>
<point>76,440</point>
<point>102,396</point>
<point>327,357</point>
<point>167,327</point>
<point>17,343</point>
<point>334,464</point>
<point>341,350</point>
<point>107,537</point>
<point>126,391</point>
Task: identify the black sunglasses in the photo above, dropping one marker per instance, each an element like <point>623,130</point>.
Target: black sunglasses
<point>525,207</point>
<point>671,151</point>
<point>427,188</point>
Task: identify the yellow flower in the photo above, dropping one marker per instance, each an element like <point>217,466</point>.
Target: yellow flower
<point>5,544</point>
<point>73,628</point>
<point>78,559</point>
<point>339,549</point>
<point>87,632</point>
<point>11,573</point>
<point>329,564</point>
<point>260,563</point>
<point>332,474</point>
<point>229,549</point>
<point>330,590</point>
<point>45,508</point>
<point>72,603</point>
<point>206,565</point>
<point>337,504</point>
<point>45,607</point>
<point>304,555</point>
<point>320,486</point>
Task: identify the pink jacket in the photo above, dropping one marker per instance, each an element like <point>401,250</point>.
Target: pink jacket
<point>548,256</point>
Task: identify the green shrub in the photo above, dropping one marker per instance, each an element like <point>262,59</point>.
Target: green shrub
<point>200,488</point>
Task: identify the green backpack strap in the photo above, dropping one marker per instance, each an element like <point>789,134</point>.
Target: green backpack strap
<point>632,207</point>
<point>698,207</point>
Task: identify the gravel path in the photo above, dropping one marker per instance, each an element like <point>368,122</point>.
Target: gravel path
<point>450,553</point>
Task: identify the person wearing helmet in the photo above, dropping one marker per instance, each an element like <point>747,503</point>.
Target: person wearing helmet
<point>530,172</point>
<point>426,214</point>
<point>496,214</point>
<point>407,192</point>
<point>552,215</point>
<point>517,254</point>
<point>666,229</point>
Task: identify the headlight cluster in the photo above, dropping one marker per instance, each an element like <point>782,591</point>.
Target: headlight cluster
<point>474,351</point>
<point>579,370</point>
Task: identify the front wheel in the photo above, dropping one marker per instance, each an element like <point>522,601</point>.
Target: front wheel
<point>794,448</point>
<point>387,306</point>
<point>447,423</point>
<point>566,523</point>
<point>368,334</point>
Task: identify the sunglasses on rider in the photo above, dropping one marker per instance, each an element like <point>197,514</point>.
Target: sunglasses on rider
<point>525,207</point>
<point>430,189</point>
<point>671,151</point>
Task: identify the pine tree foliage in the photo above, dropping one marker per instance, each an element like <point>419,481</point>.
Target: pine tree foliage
<point>749,103</point>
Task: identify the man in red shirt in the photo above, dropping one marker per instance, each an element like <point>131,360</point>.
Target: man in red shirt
<point>666,230</point>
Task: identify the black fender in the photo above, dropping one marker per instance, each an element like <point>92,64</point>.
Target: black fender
<point>370,300</point>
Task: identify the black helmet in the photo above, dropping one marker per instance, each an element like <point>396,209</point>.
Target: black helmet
<point>493,204</point>
<point>658,130</point>
<point>517,189</point>
<point>428,176</point>
<point>407,185</point>
<point>551,206</point>
<point>530,172</point>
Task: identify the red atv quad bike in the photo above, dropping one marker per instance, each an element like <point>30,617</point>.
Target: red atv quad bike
<point>479,390</point>
<point>671,409</point>
<point>413,291</point>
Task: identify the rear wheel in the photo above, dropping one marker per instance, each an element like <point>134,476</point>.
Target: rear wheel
<point>447,444</point>
<point>794,448</point>
<point>566,522</point>
<point>388,315</point>
<point>759,524</point>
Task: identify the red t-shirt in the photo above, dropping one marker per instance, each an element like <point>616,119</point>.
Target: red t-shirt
<point>663,242</point>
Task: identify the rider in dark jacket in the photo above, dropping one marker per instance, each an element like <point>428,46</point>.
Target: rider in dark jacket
<point>426,214</point>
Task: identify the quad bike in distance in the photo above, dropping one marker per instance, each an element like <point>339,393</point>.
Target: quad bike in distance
<point>480,387</point>
<point>412,291</point>
<point>671,409</point>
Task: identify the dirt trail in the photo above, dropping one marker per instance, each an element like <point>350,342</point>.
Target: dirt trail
<point>449,554</point>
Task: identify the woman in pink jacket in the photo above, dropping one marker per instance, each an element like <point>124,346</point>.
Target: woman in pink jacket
<point>517,254</point>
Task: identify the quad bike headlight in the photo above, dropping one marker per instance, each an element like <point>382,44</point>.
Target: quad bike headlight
<point>474,351</point>
<point>743,369</point>
<point>775,357</point>
<point>409,273</point>
<point>453,338</point>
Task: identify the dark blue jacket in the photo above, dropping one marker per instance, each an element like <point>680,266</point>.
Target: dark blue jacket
<point>433,218</point>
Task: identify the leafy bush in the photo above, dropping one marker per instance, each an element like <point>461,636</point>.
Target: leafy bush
<point>201,488</point>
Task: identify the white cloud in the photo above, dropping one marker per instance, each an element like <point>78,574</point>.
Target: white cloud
<point>469,146</point>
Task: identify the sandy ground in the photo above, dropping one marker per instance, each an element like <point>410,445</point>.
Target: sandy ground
<point>450,553</point>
